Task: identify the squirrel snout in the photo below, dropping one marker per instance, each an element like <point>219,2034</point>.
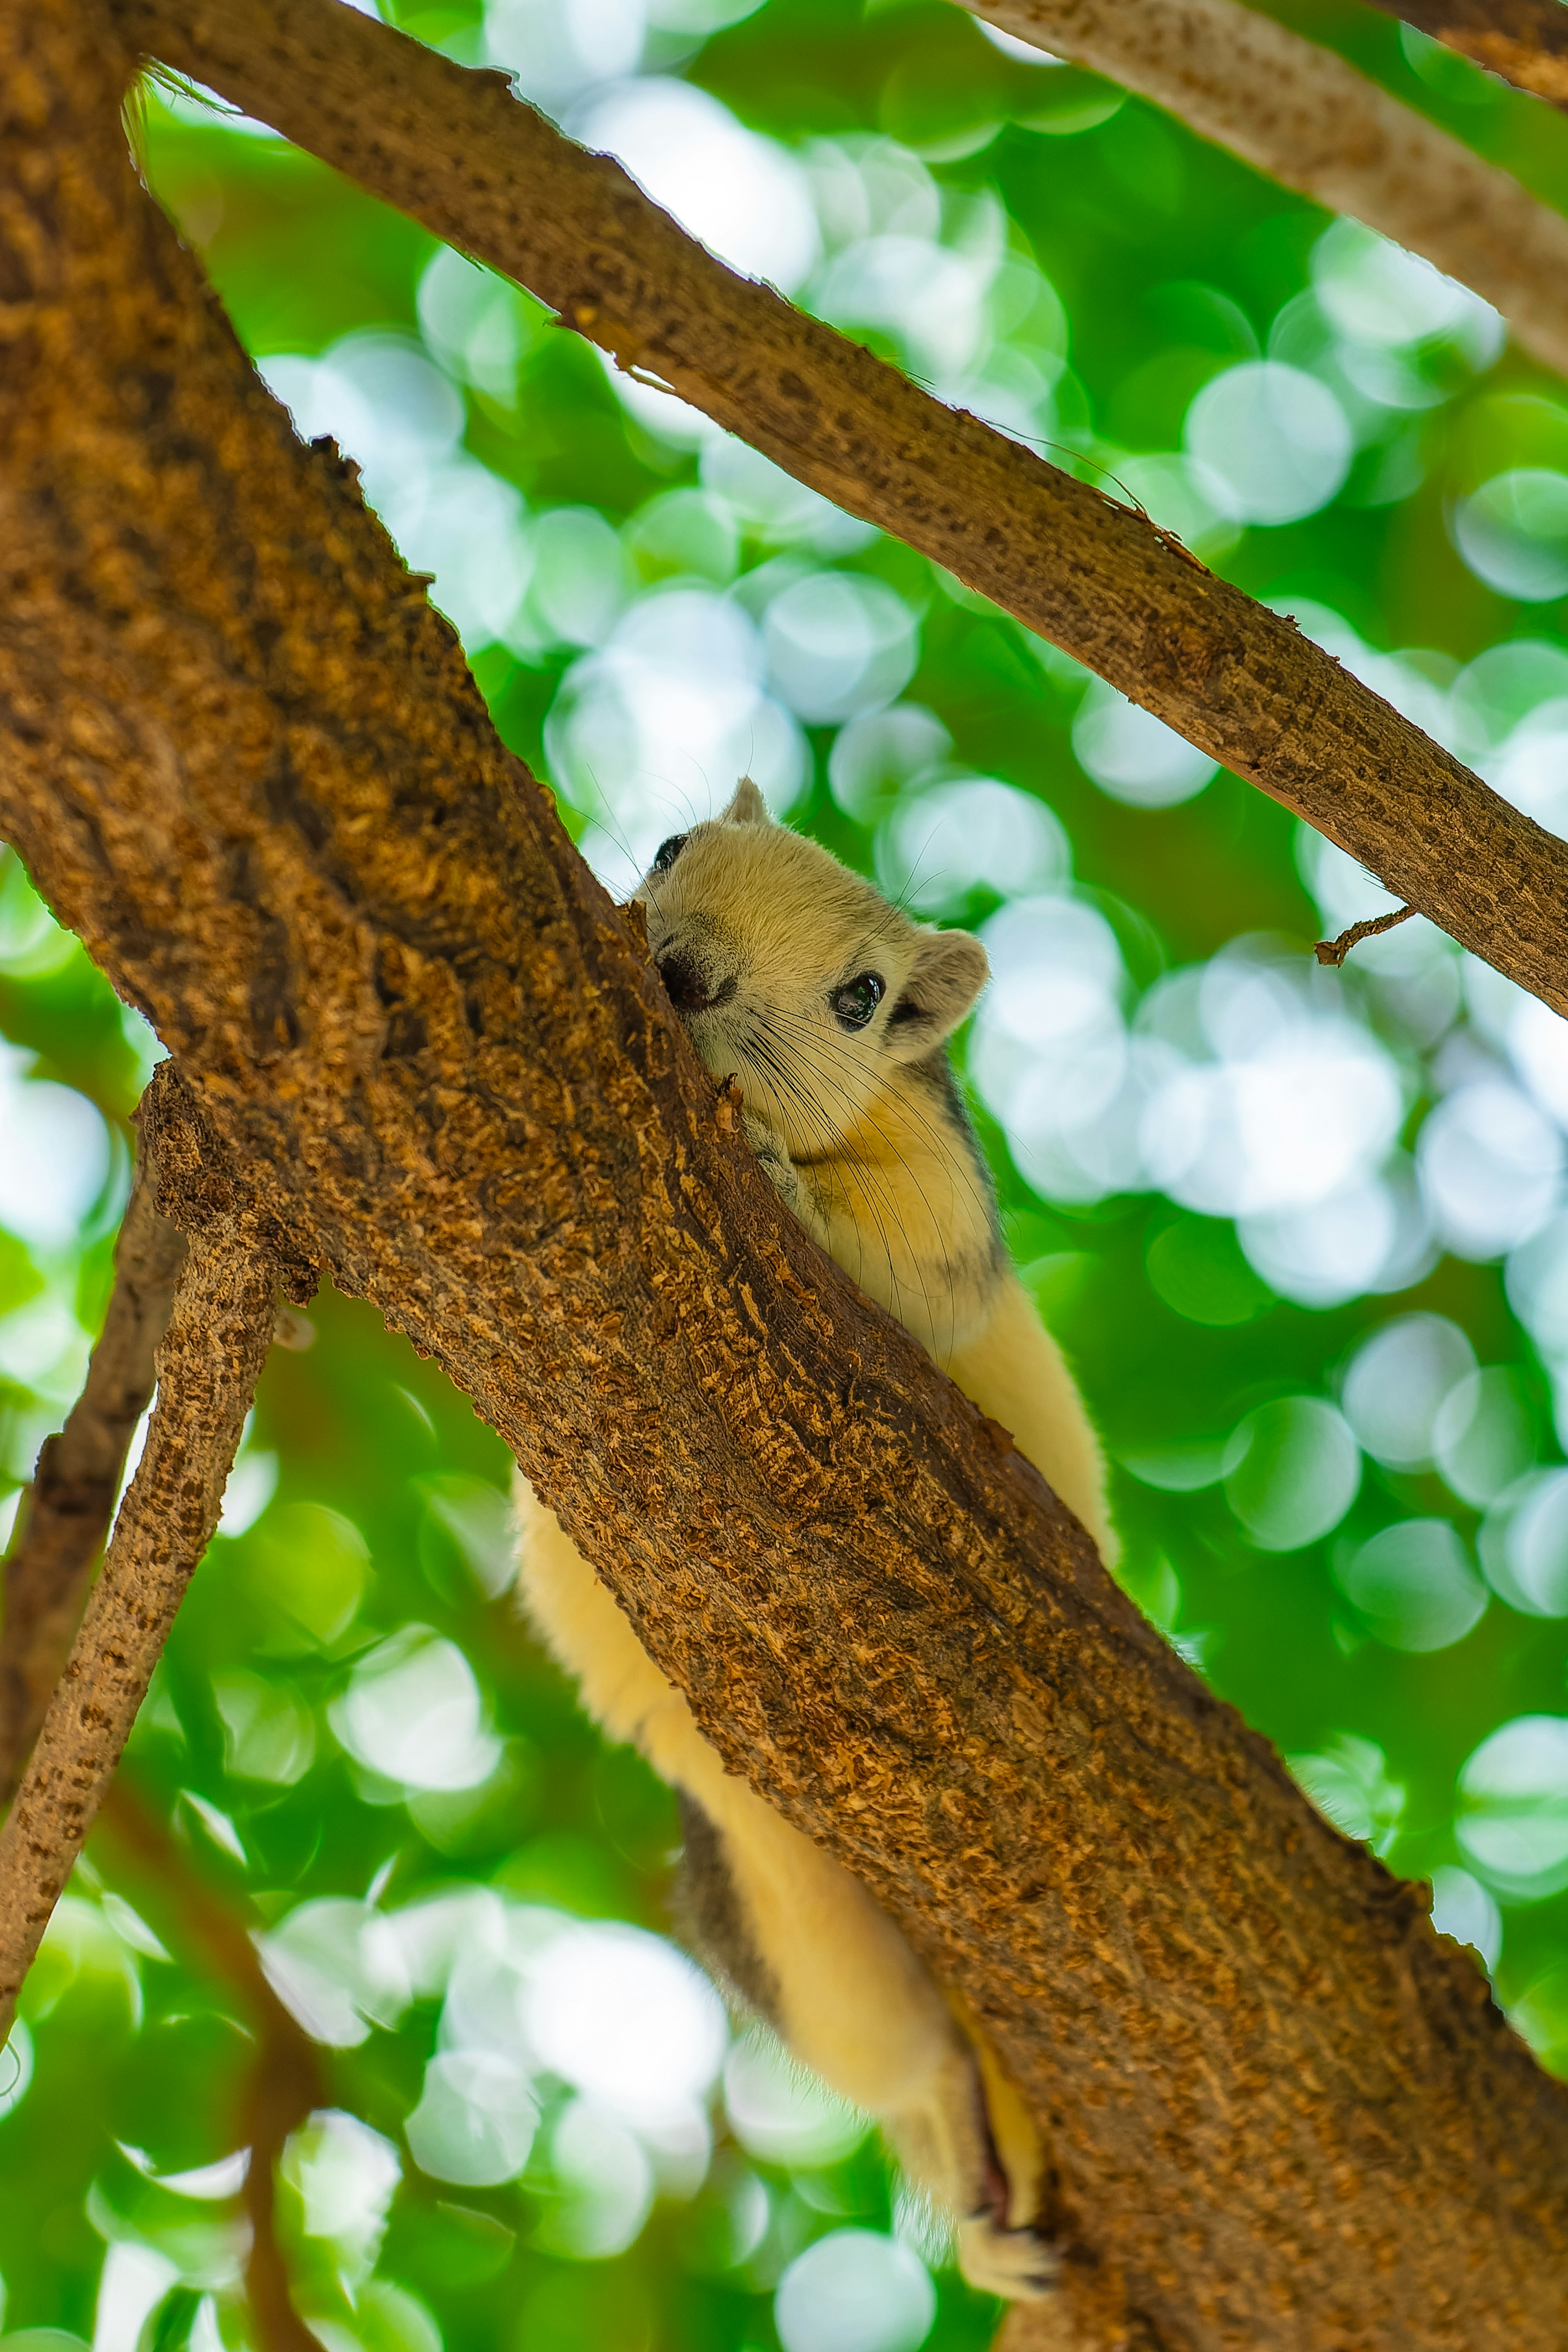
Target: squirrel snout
<point>687,988</point>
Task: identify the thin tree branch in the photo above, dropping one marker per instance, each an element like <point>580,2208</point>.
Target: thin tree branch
<point>207,1364</point>
<point>284,2082</point>
<point>455,150</point>
<point>1334,951</point>
<point>66,1516</point>
<point>1522,41</point>
<point>1309,120</point>
<point>66,1522</point>
<point>247,764</point>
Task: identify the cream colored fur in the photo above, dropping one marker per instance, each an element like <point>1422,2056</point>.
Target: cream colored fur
<point>863,1140</point>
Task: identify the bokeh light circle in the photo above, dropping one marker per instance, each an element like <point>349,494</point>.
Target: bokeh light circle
<point>626,2019</point>
<point>1273,442</point>
<point>1291,1471</point>
<point>1415,1586</point>
<point>1133,756</point>
<point>854,2291</point>
<point>1513,533</point>
<point>1513,1822</point>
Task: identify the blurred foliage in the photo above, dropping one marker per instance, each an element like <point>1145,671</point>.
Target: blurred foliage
<point>355,1743</point>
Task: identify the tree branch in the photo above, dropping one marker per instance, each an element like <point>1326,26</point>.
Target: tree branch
<point>1522,41</point>
<point>1309,120</point>
<point>245,761</point>
<point>67,1519</point>
<point>68,1508</point>
<point>457,152</point>
<point>1334,951</point>
<point>284,2082</point>
<point>207,1364</point>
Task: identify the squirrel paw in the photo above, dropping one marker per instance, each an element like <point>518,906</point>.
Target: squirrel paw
<point>1018,2264</point>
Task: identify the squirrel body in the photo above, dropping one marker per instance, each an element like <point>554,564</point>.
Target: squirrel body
<point>831,1010</point>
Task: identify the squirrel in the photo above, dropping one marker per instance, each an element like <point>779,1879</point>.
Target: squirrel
<point>831,1010</point>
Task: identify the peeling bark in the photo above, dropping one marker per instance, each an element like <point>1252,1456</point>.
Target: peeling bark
<point>245,761</point>
<point>1522,41</point>
<point>455,150</point>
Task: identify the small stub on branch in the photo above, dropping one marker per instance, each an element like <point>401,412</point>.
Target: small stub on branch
<point>1334,951</point>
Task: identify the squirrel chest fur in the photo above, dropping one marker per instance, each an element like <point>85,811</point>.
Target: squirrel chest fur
<point>832,1011</point>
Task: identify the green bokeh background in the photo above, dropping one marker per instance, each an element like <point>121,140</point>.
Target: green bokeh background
<point>1169,258</point>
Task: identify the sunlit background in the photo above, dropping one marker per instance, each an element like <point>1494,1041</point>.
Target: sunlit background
<point>1304,1232</point>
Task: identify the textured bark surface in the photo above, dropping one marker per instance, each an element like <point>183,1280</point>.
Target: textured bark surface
<point>456,151</point>
<point>207,1364</point>
<point>1311,121</point>
<point>1524,41</point>
<point>66,1517</point>
<point>247,763</point>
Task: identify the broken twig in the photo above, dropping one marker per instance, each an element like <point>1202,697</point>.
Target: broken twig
<point>1334,951</point>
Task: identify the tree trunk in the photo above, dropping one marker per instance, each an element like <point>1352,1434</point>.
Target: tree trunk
<point>247,763</point>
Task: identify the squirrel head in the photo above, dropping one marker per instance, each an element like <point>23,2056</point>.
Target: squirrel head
<point>795,975</point>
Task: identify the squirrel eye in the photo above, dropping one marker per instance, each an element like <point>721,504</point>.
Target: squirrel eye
<point>855,1003</point>
<point>668,851</point>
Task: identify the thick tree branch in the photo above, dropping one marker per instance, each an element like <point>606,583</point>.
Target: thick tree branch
<point>66,1517</point>
<point>456,151</point>
<point>207,1365</point>
<point>247,763</point>
<point>1522,41</point>
<point>284,2082</point>
<point>1300,113</point>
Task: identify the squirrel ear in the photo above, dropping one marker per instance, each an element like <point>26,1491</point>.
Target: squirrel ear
<point>748,807</point>
<point>949,973</point>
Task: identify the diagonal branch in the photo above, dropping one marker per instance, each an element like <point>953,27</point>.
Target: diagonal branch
<point>1303,115</point>
<point>207,1364</point>
<point>456,151</point>
<point>284,2082</point>
<point>68,1510</point>
<point>1524,41</point>
<point>247,763</point>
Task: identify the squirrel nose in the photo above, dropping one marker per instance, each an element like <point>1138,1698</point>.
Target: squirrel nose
<point>689,991</point>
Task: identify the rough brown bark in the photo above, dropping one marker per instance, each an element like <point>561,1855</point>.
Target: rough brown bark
<point>208,1362</point>
<point>245,761</point>
<point>455,150</point>
<point>1522,41</point>
<point>1311,121</point>
<point>66,1516</point>
<point>284,2082</point>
